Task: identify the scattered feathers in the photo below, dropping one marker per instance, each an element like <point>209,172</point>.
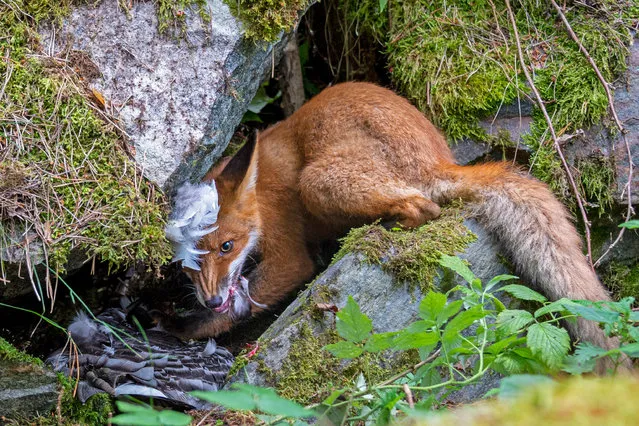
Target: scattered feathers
<point>195,210</point>
<point>154,364</point>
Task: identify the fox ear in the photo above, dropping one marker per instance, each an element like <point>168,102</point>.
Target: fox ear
<point>235,168</point>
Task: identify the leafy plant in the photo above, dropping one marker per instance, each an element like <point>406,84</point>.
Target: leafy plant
<point>145,415</point>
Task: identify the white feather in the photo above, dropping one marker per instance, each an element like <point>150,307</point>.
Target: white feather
<point>195,210</point>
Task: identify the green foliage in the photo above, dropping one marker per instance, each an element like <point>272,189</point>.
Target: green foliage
<point>73,183</point>
<point>253,398</point>
<point>145,415</point>
<point>631,224</point>
<point>172,14</point>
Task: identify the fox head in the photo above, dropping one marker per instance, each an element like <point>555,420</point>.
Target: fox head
<point>219,283</point>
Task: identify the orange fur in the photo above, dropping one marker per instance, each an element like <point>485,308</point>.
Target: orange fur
<point>356,153</point>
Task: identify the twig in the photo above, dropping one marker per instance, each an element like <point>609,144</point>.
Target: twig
<point>409,396</point>
<point>540,104</point>
<point>613,111</point>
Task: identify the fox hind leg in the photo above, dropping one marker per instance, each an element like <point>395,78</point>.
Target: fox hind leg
<point>358,193</point>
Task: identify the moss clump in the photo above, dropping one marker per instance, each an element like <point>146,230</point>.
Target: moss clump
<point>309,373</point>
<point>623,280</point>
<point>597,178</point>
<point>9,352</point>
<point>265,20</point>
<point>576,401</point>
<point>79,188</point>
<point>411,255</point>
<point>172,14</point>
<point>457,61</point>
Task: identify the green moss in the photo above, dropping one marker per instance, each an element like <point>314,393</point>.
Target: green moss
<point>9,352</point>
<point>309,373</point>
<point>623,280</point>
<point>80,188</point>
<point>597,178</point>
<point>264,20</point>
<point>172,14</point>
<point>411,255</point>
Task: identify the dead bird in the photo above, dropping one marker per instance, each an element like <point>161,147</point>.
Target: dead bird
<point>118,358</point>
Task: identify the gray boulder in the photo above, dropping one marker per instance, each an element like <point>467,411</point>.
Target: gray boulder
<point>179,96</point>
<point>26,390</point>
<point>290,357</point>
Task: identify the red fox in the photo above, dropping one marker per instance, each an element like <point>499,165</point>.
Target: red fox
<point>353,154</point>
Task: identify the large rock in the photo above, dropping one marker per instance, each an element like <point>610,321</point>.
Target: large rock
<point>179,96</point>
<point>297,335</point>
<point>26,390</point>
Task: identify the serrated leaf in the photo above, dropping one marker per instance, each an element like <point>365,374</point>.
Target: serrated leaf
<point>523,293</point>
<point>234,400</point>
<point>550,343</point>
<point>631,224</point>
<point>380,341</point>
<point>344,349</point>
<point>351,323</point>
<point>513,320</point>
<point>631,349</point>
<point>432,305</point>
<point>593,313</point>
<point>457,265</point>
<point>513,386</point>
<point>584,359</point>
<point>499,346</point>
<point>449,310</point>
<point>269,402</point>
<point>407,340</point>
<point>462,321</point>
<point>500,278</point>
<point>556,306</point>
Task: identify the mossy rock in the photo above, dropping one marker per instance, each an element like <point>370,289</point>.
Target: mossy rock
<point>291,358</point>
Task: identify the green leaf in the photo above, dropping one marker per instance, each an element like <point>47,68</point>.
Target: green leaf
<point>499,346</point>
<point>500,278</point>
<point>173,418</point>
<point>136,419</point>
<point>523,293</point>
<point>631,349</point>
<point>352,324</point>
<point>556,306</point>
<point>380,341</point>
<point>513,320</point>
<point>631,224</point>
<point>593,313</point>
<point>127,407</point>
<point>550,343</point>
<point>408,340</point>
<point>234,400</point>
<point>455,264</point>
<point>584,359</point>
<point>513,386</point>
<point>461,322</point>
<point>269,402</point>
<point>333,397</point>
<point>432,305</point>
<point>382,5</point>
<point>449,310</point>
<point>344,349</point>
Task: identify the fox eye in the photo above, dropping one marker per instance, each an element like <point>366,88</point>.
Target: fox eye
<point>226,246</point>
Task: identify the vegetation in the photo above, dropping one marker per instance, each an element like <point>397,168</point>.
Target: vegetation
<point>266,20</point>
<point>66,180</point>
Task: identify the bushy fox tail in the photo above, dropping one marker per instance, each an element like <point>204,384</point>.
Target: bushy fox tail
<point>535,230</point>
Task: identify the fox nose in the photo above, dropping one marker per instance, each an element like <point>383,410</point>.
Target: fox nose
<point>214,302</point>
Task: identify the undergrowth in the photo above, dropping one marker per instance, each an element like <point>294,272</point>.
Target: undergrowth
<point>265,20</point>
<point>65,178</point>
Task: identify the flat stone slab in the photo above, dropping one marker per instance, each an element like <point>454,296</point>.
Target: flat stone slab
<point>26,390</point>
